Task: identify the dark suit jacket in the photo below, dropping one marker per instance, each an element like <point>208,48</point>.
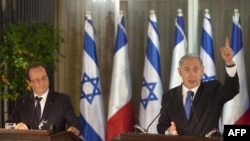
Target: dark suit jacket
<point>58,111</point>
<point>207,106</point>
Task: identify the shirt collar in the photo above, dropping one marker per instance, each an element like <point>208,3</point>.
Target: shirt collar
<point>44,96</point>
<point>185,90</point>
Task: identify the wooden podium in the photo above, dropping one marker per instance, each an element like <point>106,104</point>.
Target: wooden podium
<point>160,137</point>
<point>36,135</point>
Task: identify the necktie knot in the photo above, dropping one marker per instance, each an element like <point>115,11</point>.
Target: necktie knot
<point>188,103</point>
<point>38,99</point>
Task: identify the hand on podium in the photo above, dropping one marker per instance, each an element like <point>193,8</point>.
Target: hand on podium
<point>171,130</point>
<point>21,125</point>
<point>74,130</point>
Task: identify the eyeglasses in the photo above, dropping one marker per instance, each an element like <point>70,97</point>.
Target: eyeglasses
<point>42,79</point>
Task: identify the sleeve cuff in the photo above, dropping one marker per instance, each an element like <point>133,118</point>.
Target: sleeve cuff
<point>231,70</point>
<point>173,133</point>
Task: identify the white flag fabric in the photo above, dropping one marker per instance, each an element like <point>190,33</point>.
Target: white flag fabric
<point>151,93</point>
<point>236,111</point>
<point>207,51</point>
<point>91,102</point>
<point>179,50</point>
<point>120,110</point>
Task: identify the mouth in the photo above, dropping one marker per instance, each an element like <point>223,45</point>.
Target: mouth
<point>191,81</point>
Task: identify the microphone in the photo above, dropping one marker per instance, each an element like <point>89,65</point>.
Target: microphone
<point>138,127</point>
<point>213,133</point>
<point>43,124</point>
<point>195,116</point>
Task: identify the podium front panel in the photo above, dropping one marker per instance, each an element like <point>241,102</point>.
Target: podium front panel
<point>160,137</point>
<point>36,135</point>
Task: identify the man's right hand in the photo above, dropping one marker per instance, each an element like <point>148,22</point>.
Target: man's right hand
<point>21,125</point>
<point>172,129</point>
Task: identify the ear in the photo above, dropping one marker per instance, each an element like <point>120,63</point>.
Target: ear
<point>28,82</point>
<point>179,70</point>
<point>202,70</point>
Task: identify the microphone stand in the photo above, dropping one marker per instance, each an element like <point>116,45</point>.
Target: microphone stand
<point>146,130</point>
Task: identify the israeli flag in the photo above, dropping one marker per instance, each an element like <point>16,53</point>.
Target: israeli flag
<point>179,50</point>
<point>151,93</point>
<point>91,101</point>
<point>206,50</point>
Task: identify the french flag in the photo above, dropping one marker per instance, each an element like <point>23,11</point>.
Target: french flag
<point>237,111</point>
<point>120,110</point>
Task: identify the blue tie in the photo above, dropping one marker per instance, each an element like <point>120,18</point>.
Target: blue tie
<point>38,107</point>
<point>188,104</point>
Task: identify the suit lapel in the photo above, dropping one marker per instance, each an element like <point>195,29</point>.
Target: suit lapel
<point>179,103</point>
<point>198,94</point>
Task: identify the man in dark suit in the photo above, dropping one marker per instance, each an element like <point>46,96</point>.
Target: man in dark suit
<point>55,111</point>
<point>207,98</point>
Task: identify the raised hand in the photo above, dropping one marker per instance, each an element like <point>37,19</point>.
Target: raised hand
<point>227,53</point>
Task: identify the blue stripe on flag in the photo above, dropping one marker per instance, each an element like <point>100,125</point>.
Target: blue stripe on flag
<point>90,47</point>
<point>236,43</point>
<point>121,39</point>
<point>178,33</point>
<point>88,132</point>
<point>207,44</point>
<point>152,52</point>
<point>155,26</point>
<point>153,56</point>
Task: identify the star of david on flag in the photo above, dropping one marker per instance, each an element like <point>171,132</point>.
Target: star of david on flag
<point>151,96</point>
<point>90,88</point>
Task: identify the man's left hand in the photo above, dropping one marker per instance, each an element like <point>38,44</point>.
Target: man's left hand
<point>74,130</point>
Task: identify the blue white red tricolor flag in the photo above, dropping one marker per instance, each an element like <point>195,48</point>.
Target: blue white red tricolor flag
<point>120,110</point>
<point>237,111</point>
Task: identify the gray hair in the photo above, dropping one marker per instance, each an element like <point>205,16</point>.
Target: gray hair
<point>188,56</point>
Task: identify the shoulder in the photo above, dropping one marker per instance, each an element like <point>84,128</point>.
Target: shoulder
<point>211,83</point>
<point>172,91</point>
<point>58,96</point>
<point>25,97</point>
